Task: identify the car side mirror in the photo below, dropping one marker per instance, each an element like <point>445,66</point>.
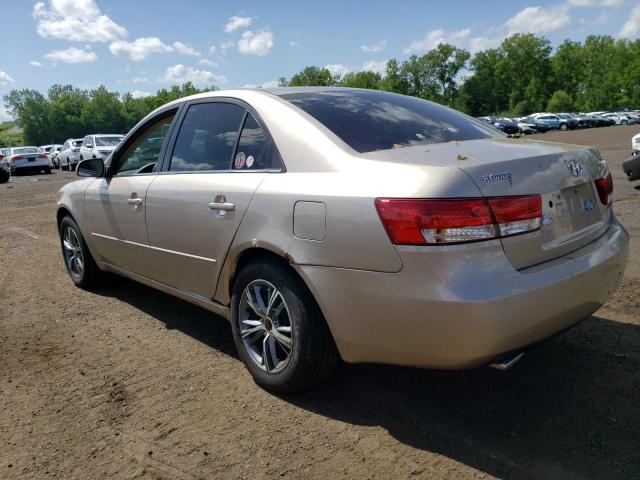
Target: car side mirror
<point>94,167</point>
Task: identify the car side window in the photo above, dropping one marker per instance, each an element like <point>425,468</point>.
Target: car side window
<point>255,149</point>
<point>207,137</point>
<point>144,150</point>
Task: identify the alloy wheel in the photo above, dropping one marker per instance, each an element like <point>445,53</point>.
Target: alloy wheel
<point>265,326</point>
<point>72,252</point>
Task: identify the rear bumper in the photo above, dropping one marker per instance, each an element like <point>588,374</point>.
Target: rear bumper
<point>454,308</point>
<point>40,164</point>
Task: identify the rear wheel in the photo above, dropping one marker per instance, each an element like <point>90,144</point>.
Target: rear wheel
<point>563,127</point>
<point>5,175</point>
<point>279,330</point>
<point>47,170</point>
<point>624,122</point>
<point>77,258</point>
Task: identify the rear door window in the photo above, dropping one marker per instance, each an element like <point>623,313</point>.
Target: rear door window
<point>255,149</point>
<point>207,137</point>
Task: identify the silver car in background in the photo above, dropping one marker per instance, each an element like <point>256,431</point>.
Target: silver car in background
<point>331,223</point>
<point>22,159</point>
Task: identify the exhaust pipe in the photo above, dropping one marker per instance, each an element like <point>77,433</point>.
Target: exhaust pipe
<point>507,360</point>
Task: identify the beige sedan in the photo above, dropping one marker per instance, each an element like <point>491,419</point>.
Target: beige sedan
<point>333,223</point>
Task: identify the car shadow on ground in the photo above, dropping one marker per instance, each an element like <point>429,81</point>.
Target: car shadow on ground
<point>569,410</point>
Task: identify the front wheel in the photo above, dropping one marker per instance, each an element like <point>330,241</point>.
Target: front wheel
<point>624,122</point>
<point>77,258</point>
<point>278,329</point>
<point>563,127</point>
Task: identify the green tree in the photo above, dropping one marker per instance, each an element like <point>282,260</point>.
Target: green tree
<point>560,101</point>
<point>363,79</point>
<point>444,63</point>
<point>393,80</point>
<point>313,76</point>
<point>483,92</point>
<point>32,112</point>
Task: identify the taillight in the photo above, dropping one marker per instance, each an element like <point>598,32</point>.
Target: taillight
<point>605,188</point>
<point>43,157</point>
<point>448,221</point>
<point>16,158</point>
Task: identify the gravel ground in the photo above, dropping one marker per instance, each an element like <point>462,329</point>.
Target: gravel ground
<point>127,382</point>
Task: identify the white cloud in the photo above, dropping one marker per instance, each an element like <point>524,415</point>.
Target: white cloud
<point>256,43</point>
<point>181,74</point>
<point>596,3</point>
<point>212,49</point>
<point>632,26</point>
<point>337,69</point>
<point>5,79</point>
<point>477,44</point>
<point>71,55</point>
<point>435,37</point>
<point>378,66</point>
<point>140,48</point>
<point>539,19</point>
<point>235,23</point>
<point>184,49</point>
<point>76,21</point>
<point>35,63</point>
<point>208,63</point>
<point>376,47</point>
<point>4,113</point>
<point>270,84</point>
<point>226,46</point>
<point>140,94</point>
<point>293,44</point>
<point>140,80</point>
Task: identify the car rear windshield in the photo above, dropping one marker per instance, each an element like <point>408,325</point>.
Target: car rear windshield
<point>77,143</point>
<point>25,150</point>
<point>108,141</point>
<point>369,120</point>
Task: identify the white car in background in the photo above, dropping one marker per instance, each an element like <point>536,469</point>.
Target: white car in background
<point>70,154</point>
<point>27,158</point>
<point>635,144</point>
<point>99,146</point>
<point>616,117</point>
<point>52,152</point>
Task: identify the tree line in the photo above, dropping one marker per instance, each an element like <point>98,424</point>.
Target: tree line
<point>522,75</point>
<point>69,112</point>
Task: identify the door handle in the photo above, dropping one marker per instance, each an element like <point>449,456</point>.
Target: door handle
<point>224,206</point>
<point>134,201</point>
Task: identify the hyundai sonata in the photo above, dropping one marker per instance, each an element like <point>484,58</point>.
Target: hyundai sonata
<point>331,223</point>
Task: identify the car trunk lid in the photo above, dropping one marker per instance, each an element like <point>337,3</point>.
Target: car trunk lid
<point>563,175</point>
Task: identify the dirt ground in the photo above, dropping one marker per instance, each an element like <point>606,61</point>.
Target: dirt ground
<point>127,382</point>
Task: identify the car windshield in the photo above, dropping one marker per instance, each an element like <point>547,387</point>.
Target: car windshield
<point>369,120</point>
<point>108,141</point>
<point>25,150</point>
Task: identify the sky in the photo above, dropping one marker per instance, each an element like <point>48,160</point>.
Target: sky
<point>141,46</point>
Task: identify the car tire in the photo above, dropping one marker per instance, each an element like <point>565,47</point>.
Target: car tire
<point>563,127</point>
<point>89,275</point>
<point>312,353</point>
<point>624,122</point>
<point>4,176</point>
<point>47,170</point>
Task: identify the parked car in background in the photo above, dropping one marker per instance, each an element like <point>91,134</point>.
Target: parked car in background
<point>99,146</point>
<point>635,144</point>
<point>22,159</point>
<point>617,118</point>
<point>53,155</point>
<point>553,121</point>
<point>323,232</point>
<point>5,169</point>
<point>631,116</point>
<point>570,120</point>
<point>539,126</point>
<point>599,121</point>
<point>527,128</point>
<point>503,124</point>
<point>69,157</point>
